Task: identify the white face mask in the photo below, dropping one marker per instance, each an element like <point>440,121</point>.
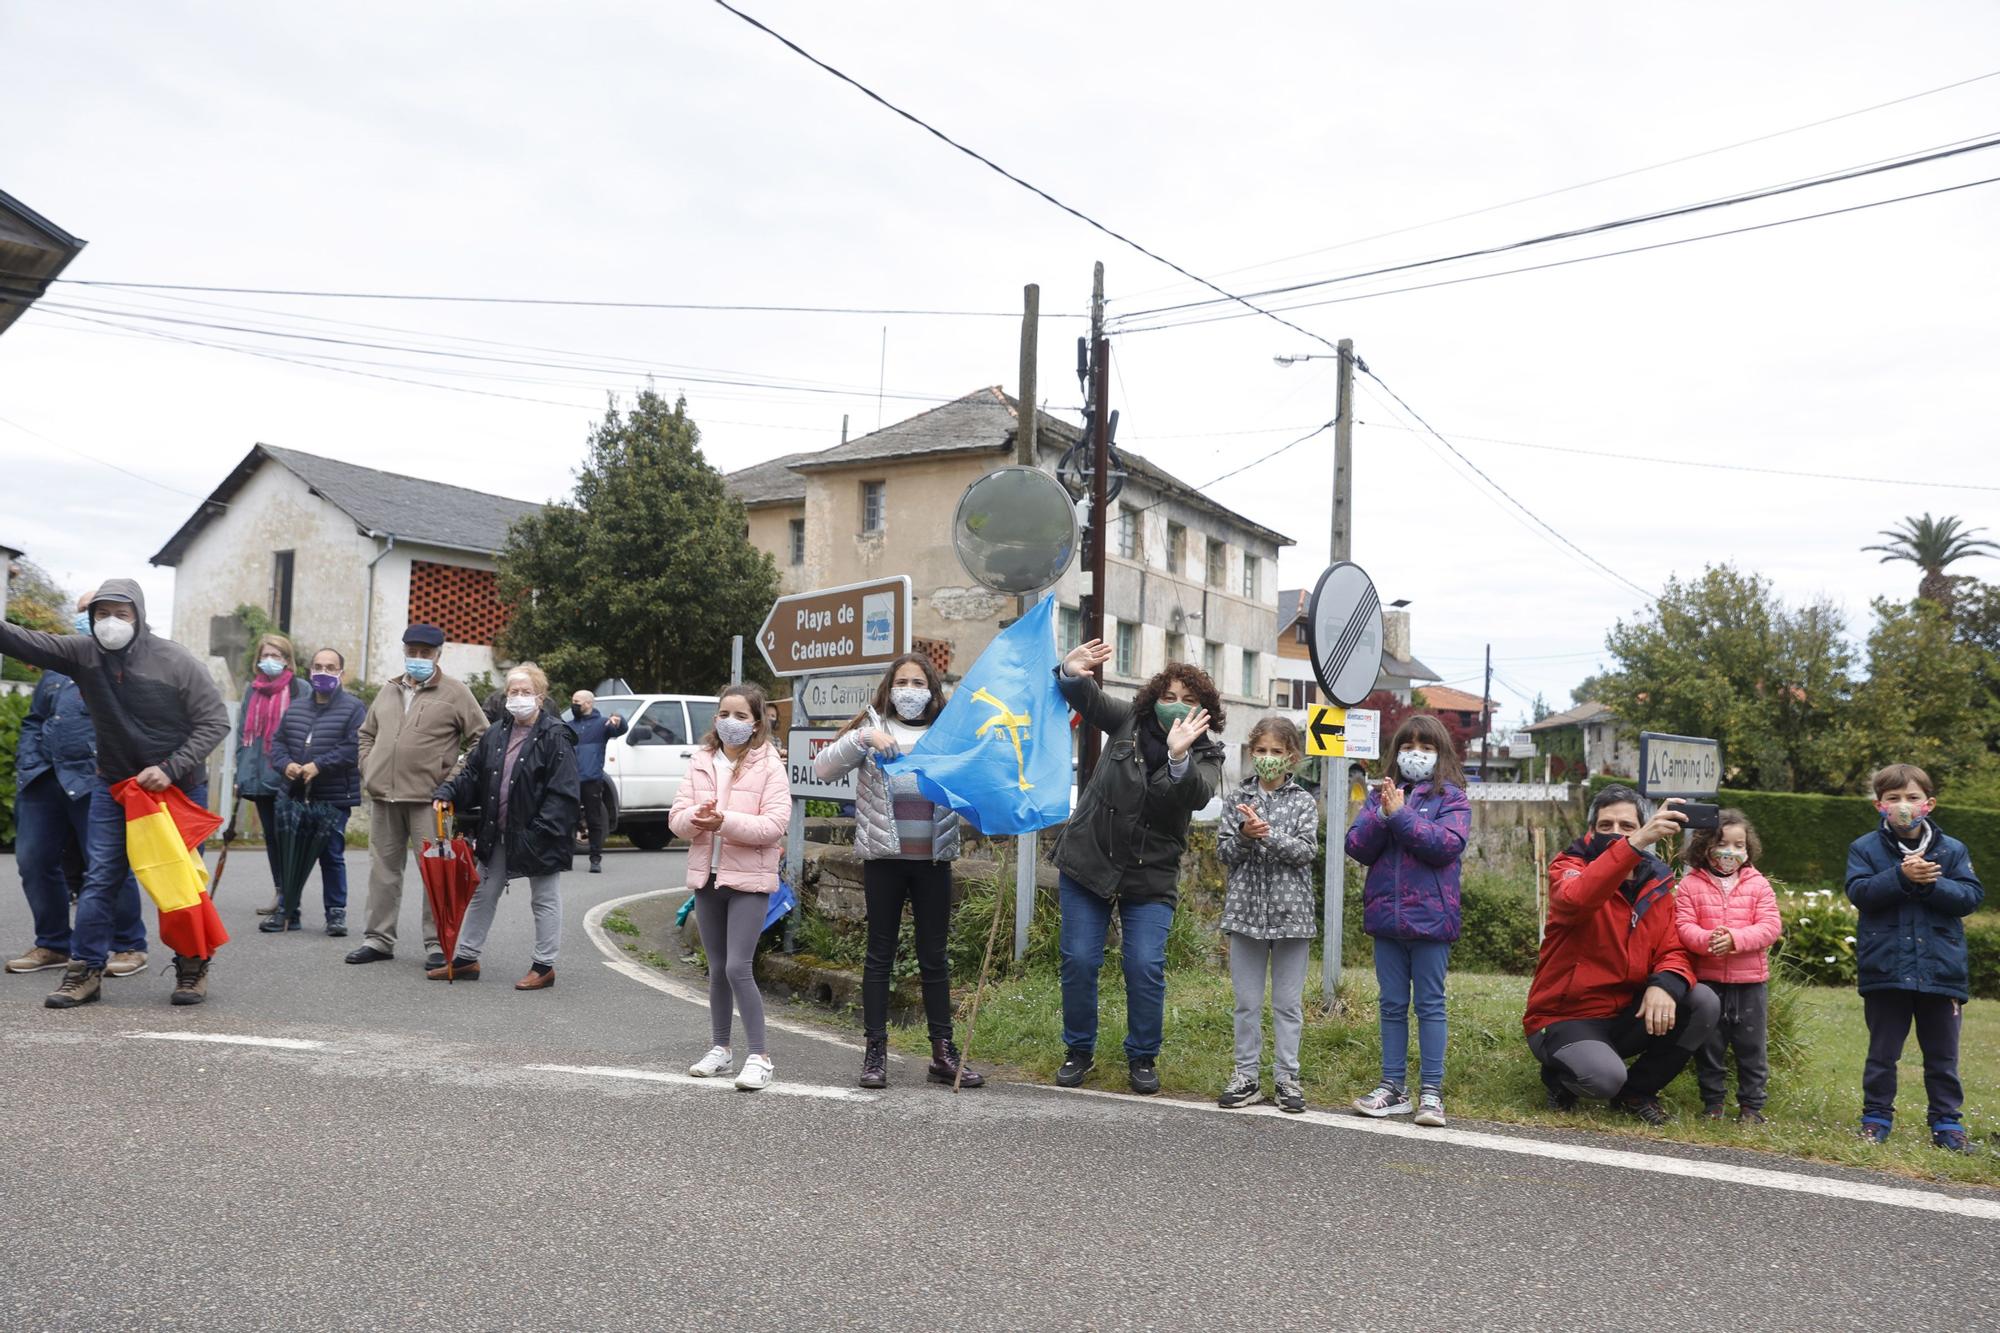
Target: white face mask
<point>113,634</point>
<point>1417,765</point>
<point>734,731</point>
<point>910,701</point>
<point>523,706</point>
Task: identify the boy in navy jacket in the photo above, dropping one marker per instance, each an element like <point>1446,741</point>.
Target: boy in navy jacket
<point>1914,886</point>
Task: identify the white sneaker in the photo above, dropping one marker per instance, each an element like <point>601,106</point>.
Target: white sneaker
<point>717,1061</point>
<point>756,1073</point>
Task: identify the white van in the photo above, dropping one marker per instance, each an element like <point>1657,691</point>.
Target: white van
<point>643,768</point>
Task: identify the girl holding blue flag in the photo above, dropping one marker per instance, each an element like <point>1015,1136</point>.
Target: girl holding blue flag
<point>906,844</point>
<point>1123,847</point>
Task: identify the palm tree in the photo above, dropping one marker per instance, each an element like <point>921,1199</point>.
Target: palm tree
<point>1932,544</point>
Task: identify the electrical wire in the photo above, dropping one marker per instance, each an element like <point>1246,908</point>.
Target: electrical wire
<point>991,165</point>
<point>101,462</point>
<point>1577,259</point>
<point>1602,180</point>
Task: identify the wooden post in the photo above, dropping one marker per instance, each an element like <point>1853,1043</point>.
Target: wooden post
<point>1539,838</point>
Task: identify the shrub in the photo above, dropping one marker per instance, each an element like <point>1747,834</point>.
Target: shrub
<point>13,708</point>
<point>1817,948</point>
<point>1498,931</point>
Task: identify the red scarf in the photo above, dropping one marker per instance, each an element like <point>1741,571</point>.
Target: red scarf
<point>269,696</point>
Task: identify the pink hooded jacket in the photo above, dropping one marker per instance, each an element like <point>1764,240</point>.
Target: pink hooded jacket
<point>1749,912</point>
<point>754,816</point>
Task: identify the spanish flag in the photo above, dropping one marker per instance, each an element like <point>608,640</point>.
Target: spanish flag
<point>162,830</point>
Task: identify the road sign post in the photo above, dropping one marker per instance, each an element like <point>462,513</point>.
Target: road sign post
<point>1687,766</point>
<point>1344,633</point>
<point>854,627</point>
<point>833,697</point>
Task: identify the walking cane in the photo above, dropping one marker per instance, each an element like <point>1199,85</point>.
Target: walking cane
<point>972,1023</point>
<point>228,836</point>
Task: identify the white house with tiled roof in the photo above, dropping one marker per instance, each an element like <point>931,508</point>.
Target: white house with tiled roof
<point>1187,578</point>
<point>345,557</point>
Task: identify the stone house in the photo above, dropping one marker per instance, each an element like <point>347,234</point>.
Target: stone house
<point>343,556</point>
<point>1591,731</point>
<point>1187,579</point>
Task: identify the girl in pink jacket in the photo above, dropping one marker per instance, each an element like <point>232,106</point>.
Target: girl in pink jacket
<point>1727,917</point>
<point>732,808</point>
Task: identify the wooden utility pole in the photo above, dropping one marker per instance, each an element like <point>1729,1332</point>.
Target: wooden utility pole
<point>1024,432</point>
<point>1099,406</point>
<point>1343,458</point>
<point>1486,719</point>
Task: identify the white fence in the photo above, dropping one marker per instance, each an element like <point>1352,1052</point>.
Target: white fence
<point>1517,791</point>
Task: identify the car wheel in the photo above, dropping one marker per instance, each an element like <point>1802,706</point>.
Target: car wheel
<point>650,837</point>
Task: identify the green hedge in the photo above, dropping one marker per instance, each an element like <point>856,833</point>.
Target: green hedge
<point>13,708</point>
<point>1806,836</point>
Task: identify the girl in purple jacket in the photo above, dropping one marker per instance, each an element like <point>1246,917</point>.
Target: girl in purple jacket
<point>1410,834</point>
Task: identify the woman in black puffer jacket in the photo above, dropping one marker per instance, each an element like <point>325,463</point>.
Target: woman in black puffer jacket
<point>520,780</point>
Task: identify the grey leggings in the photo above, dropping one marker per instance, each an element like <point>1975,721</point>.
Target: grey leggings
<point>544,901</point>
<point>1285,961</point>
<point>731,922</point>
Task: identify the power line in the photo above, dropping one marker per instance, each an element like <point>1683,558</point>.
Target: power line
<point>1578,259</point>
<point>1615,176</point>
<point>101,462</point>
<point>990,164</point>
<point>1616,224</point>
<point>1539,521</point>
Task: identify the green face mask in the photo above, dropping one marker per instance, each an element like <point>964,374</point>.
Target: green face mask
<point>1171,713</point>
<point>1271,767</point>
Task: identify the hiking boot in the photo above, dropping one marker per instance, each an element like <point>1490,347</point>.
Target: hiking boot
<point>336,924</point>
<point>1560,1097</point>
<point>1243,1090</point>
<point>1647,1109</point>
<point>1875,1131</point>
<point>81,984</point>
<point>38,959</point>
<point>1145,1079</point>
<point>1387,1099</point>
<point>947,1064</point>
<point>1951,1138</point>
<point>1291,1097</point>
<point>1430,1108</point>
<point>190,979</point>
<point>127,964</point>
<point>875,1063</point>
<point>279,922</point>
<point>1076,1067</point>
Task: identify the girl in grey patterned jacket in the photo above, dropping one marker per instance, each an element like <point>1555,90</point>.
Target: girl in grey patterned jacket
<point>1269,838</point>
<point>906,845</point>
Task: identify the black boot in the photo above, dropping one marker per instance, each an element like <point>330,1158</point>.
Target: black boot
<point>947,1065</point>
<point>875,1063</point>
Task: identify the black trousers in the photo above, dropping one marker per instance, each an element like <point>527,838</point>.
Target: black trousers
<point>594,815</point>
<point>1744,1028</point>
<point>1588,1055</point>
<point>1890,1014</point>
<point>926,887</point>
<point>267,819</point>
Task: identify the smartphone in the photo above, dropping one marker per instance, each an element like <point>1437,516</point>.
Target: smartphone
<point>1699,814</point>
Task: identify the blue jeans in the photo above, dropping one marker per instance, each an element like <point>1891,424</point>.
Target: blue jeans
<point>110,894</point>
<point>333,865</point>
<point>1086,919</point>
<point>47,823</point>
<point>1404,967</point>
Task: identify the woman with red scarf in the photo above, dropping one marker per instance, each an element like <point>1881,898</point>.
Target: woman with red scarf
<point>273,689</point>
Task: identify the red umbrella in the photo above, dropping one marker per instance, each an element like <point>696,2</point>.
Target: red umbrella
<point>450,875</point>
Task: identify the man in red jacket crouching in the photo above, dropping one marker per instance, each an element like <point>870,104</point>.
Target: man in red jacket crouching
<point>1614,981</point>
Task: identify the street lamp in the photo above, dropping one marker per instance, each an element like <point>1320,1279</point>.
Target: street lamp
<point>1293,358</point>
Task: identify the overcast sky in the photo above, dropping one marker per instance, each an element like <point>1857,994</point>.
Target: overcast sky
<point>671,153</point>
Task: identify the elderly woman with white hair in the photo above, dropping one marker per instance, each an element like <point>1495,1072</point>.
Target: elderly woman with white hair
<point>520,783</point>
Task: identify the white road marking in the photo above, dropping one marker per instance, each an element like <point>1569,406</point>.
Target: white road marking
<point>1984,1208</point>
<point>615,958</point>
<point>780,1088</point>
<point>225,1039</point>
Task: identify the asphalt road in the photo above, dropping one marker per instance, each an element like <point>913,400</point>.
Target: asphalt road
<point>470,1157</point>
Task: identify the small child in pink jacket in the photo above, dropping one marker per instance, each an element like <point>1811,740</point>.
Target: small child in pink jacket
<point>1727,917</point>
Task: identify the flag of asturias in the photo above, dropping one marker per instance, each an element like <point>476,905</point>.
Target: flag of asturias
<point>999,753</point>
<point>162,831</point>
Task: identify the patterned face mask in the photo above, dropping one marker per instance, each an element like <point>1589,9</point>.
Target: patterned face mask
<point>1728,860</point>
<point>1904,814</point>
<point>1271,767</point>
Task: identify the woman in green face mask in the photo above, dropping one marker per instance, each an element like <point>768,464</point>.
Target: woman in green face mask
<point>1122,847</point>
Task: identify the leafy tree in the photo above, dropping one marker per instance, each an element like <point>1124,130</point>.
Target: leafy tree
<point>1924,702</point>
<point>1588,690</point>
<point>1933,545</point>
<point>1722,656</point>
<point>647,571</point>
<point>1540,708</point>
<point>35,602</point>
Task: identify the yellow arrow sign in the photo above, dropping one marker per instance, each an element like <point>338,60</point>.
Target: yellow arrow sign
<point>1326,731</point>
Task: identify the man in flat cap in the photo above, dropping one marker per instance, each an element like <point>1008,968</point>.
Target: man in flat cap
<point>417,728</point>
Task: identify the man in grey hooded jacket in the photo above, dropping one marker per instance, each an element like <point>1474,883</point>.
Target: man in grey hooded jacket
<point>158,717</point>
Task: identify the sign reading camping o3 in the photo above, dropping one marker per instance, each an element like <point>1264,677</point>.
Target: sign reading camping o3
<point>1687,766</point>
